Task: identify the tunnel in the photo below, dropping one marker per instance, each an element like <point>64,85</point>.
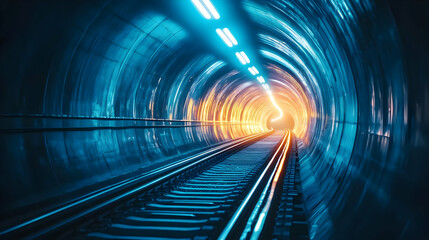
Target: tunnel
<point>95,92</point>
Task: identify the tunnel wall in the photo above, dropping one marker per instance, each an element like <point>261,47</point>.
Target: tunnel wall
<point>95,90</point>
<point>349,59</point>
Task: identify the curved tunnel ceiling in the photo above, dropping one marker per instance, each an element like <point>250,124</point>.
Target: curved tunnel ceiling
<point>150,82</point>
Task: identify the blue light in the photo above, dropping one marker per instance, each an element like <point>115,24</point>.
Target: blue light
<point>230,36</point>
<point>225,34</point>
<point>251,71</point>
<point>224,37</point>
<point>240,57</point>
<point>211,8</point>
<point>255,70</point>
<point>201,9</point>
<point>243,54</point>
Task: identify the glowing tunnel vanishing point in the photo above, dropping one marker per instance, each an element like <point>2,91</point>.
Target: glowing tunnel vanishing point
<point>92,91</point>
<point>207,10</point>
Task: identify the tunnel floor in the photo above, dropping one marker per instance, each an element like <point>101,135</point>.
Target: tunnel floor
<point>217,195</point>
<point>125,118</point>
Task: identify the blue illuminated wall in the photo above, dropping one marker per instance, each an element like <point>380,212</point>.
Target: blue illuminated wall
<point>89,91</point>
<point>348,57</point>
<point>92,92</point>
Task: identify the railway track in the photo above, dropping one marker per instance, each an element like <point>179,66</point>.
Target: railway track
<point>221,193</point>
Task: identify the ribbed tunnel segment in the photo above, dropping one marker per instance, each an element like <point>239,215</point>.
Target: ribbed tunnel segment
<point>93,93</point>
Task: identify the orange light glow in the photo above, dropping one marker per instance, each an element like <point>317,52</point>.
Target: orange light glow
<point>232,110</point>
<point>293,100</point>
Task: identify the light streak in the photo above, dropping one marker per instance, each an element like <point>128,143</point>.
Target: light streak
<point>224,37</point>
<point>230,36</point>
<point>212,9</point>
<point>243,54</point>
<point>201,9</point>
<point>227,37</point>
<point>273,101</point>
<point>252,71</point>
<point>240,58</point>
<point>256,70</point>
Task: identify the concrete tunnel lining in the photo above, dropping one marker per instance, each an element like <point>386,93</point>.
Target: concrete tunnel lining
<point>107,69</point>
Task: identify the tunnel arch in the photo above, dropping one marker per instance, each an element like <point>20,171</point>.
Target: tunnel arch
<point>325,49</point>
<point>127,71</point>
<point>125,88</point>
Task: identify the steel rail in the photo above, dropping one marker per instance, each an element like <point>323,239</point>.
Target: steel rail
<point>247,201</point>
<point>267,198</point>
<point>161,174</point>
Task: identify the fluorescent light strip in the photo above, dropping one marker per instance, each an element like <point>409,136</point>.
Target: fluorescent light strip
<point>242,61</point>
<point>265,86</point>
<point>245,57</point>
<point>230,36</point>
<point>255,70</point>
<point>211,8</point>
<point>224,38</point>
<point>201,9</point>
<point>229,40</point>
<point>251,71</point>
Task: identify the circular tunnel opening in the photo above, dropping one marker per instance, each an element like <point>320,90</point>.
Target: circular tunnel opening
<point>92,91</point>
